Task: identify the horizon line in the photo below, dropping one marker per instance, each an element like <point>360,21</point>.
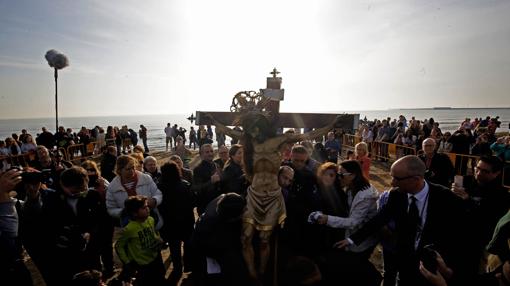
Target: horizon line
<point>335,111</point>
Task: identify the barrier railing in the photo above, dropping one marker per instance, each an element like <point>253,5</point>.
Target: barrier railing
<point>379,150</point>
<point>76,151</point>
<point>464,164</point>
<point>390,151</point>
<point>350,140</point>
<point>94,149</point>
<point>17,160</point>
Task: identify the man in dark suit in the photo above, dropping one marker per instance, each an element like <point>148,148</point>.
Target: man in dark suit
<point>206,178</point>
<point>440,169</point>
<point>424,213</point>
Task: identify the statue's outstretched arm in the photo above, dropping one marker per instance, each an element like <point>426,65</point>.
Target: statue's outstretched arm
<point>312,134</point>
<point>224,129</point>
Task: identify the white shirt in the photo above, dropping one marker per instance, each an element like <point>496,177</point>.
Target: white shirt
<point>422,201</point>
<point>168,131</point>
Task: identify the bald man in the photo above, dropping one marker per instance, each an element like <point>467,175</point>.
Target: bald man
<point>440,169</point>
<point>424,213</point>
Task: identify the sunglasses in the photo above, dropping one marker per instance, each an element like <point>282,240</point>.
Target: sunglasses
<point>343,174</point>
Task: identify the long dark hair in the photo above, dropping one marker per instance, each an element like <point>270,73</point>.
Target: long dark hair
<point>231,153</point>
<point>171,174</point>
<point>360,182</point>
<point>250,121</point>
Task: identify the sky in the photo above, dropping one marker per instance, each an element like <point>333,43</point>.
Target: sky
<point>164,57</point>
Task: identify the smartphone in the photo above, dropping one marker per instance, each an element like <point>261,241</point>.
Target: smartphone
<point>458,180</point>
<point>429,258</point>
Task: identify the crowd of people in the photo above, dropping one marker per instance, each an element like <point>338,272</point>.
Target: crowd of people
<point>436,228</point>
<point>123,138</point>
<point>472,137</point>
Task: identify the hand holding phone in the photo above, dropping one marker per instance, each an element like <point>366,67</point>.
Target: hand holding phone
<point>458,180</point>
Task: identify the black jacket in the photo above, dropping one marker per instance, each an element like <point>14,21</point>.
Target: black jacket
<point>441,170</point>
<point>202,186</point>
<point>233,180</point>
<point>444,227</point>
<point>177,210</point>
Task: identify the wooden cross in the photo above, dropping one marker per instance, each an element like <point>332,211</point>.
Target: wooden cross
<point>282,120</point>
<point>274,72</point>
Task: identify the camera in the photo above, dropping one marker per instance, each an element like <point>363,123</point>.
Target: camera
<point>429,258</point>
<point>43,176</point>
<point>36,177</point>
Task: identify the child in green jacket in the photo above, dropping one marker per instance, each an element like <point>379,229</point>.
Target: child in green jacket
<point>139,246</point>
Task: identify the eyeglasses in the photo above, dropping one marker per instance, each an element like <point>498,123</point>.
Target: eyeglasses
<point>342,175</point>
<point>398,179</point>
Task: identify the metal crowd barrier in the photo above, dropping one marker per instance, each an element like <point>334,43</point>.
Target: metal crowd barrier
<point>17,160</point>
<point>76,152</point>
<point>350,140</point>
<point>379,150</point>
<point>464,164</point>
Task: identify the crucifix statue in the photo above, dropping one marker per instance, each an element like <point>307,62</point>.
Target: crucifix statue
<point>258,115</point>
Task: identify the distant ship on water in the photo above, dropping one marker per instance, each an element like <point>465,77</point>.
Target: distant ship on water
<point>441,108</point>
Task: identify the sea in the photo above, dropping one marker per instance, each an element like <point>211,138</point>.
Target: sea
<point>449,120</point>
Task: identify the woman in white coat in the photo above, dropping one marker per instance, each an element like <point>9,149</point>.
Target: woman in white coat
<point>352,265</point>
<point>130,182</point>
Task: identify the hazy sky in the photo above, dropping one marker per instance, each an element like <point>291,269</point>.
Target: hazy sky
<point>155,57</point>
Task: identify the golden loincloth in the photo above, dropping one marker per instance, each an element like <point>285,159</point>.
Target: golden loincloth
<point>264,210</point>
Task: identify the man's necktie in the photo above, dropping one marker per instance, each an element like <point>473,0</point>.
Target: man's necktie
<point>414,220</point>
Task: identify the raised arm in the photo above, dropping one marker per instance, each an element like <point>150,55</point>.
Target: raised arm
<point>224,129</point>
<point>312,134</point>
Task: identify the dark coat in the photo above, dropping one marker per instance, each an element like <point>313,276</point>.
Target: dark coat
<point>441,170</point>
<point>52,234</point>
<point>107,166</point>
<point>219,239</point>
<point>444,227</point>
<point>303,198</point>
<point>233,179</point>
<point>177,210</point>
<point>485,206</point>
<point>202,186</point>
